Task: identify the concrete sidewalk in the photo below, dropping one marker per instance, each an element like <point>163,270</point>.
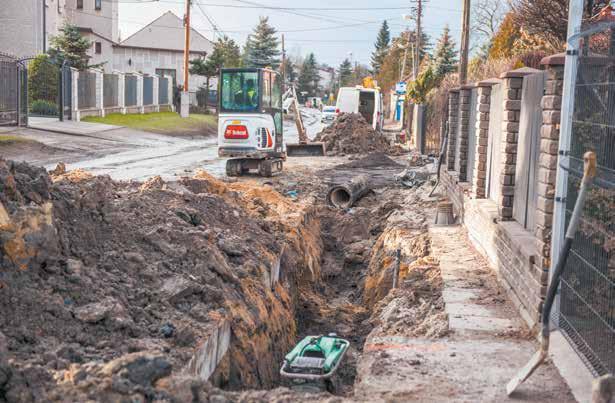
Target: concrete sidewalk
<point>488,342</point>
<point>68,126</point>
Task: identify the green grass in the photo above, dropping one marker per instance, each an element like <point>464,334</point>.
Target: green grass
<point>6,139</point>
<point>160,122</point>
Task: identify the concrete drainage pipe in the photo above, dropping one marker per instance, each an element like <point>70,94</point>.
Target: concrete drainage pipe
<point>345,195</point>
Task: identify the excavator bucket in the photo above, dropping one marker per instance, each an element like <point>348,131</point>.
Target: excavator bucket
<point>315,149</point>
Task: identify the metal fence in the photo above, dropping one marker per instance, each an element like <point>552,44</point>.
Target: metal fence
<point>10,70</point>
<point>587,298</point>
<point>148,90</point>
<point>163,91</point>
<point>130,90</point>
<point>110,90</point>
<point>86,89</point>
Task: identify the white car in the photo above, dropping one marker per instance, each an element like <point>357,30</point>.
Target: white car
<point>328,115</point>
<point>366,101</point>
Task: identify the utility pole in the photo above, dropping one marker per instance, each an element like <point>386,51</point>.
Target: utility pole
<point>465,43</point>
<point>417,45</point>
<point>185,95</point>
<point>283,66</point>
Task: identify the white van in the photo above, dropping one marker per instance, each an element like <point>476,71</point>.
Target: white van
<point>366,101</point>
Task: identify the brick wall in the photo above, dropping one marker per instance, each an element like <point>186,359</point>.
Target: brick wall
<point>453,127</point>
<point>461,164</point>
<point>519,257</point>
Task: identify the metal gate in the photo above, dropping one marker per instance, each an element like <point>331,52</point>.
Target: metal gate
<point>494,144</point>
<point>587,295</point>
<point>45,89</point>
<point>13,91</point>
<point>528,151</point>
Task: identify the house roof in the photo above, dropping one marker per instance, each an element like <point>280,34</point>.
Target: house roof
<point>167,33</point>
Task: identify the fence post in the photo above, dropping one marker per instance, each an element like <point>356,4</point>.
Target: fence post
<point>461,164</point>
<point>513,88</point>
<point>170,93</point>
<point>483,112</point>
<point>140,92</point>
<point>453,127</point>
<point>121,91</point>
<point>547,167</point>
<point>155,98</point>
<point>75,94</point>
<point>100,89</point>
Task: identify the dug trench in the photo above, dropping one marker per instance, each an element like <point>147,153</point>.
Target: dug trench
<point>196,289</point>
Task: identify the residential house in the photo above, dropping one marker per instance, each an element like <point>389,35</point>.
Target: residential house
<point>26,26</point>
<point>158,48</point>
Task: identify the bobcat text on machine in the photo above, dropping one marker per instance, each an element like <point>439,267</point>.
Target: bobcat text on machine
<point>250,128</point>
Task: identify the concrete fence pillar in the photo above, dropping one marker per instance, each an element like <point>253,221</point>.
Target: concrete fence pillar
<point>483,113</point>
<point>100,91</point>
<point>513,88</point>
<point>170,92</point>
<point>461,163</point>
<point>453,127</point>
<point>156,81</point>
<point>547,166</point>
<point>75,94</point>
<point>140,92</point>
<point>121,92</point>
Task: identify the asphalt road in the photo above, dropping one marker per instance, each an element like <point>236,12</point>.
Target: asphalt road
<point>127,154</point>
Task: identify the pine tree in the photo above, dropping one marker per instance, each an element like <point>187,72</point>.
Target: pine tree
<point>345,73</point>
<point>226,53</point>
<point>69,45</point>
<point>445,56</point>
<point>261,48</point>
<point>309,76</point>
<point>382,47</point>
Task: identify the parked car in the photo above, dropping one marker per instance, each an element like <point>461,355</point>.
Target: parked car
<point>328,115</point>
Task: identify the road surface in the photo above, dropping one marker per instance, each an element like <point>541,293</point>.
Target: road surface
<point>130,154</point>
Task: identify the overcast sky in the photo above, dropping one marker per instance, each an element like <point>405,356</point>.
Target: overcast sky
<point>309,32</point>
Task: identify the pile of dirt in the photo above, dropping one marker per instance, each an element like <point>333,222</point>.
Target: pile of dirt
<point>351,134</point>
<point>109,289</point>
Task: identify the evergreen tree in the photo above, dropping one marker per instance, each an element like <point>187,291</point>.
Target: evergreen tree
<point>261,48</point>
<point>226,53</point>
<point>382,47</point>
<point>71,46</point>
<point>445,56</point>
<point>309,76</point>
<point>345,73</point>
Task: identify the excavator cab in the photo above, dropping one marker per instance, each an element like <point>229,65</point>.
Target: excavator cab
<point>250,127</point>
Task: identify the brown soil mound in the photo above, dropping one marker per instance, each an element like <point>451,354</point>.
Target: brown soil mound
<point>108,288</point>
<point>351,134</point>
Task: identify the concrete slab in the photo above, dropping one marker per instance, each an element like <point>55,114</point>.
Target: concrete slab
<point>460,309</point>
<point>68,126</point>
<point>396,368</point>
<point>452,294</point>
<point>480,323</point>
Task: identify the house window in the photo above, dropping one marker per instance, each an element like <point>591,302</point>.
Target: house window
<point>97,4</point>
<point>98,48</point>
<point>80,4</point>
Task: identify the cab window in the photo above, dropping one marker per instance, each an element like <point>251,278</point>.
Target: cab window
<point>266,89</point>
<point>276,91</point>
<point>239,91</point>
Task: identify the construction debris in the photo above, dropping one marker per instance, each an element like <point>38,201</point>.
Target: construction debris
<point>351,134</point>
<point>346,195</point>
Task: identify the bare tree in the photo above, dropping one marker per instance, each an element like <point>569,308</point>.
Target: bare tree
<point>487,16</point>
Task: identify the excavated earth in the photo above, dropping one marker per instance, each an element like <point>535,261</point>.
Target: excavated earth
<point>350,134</point>
<point>109,289</point>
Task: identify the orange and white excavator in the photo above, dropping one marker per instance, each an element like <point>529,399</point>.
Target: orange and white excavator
<point>250,122</point>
